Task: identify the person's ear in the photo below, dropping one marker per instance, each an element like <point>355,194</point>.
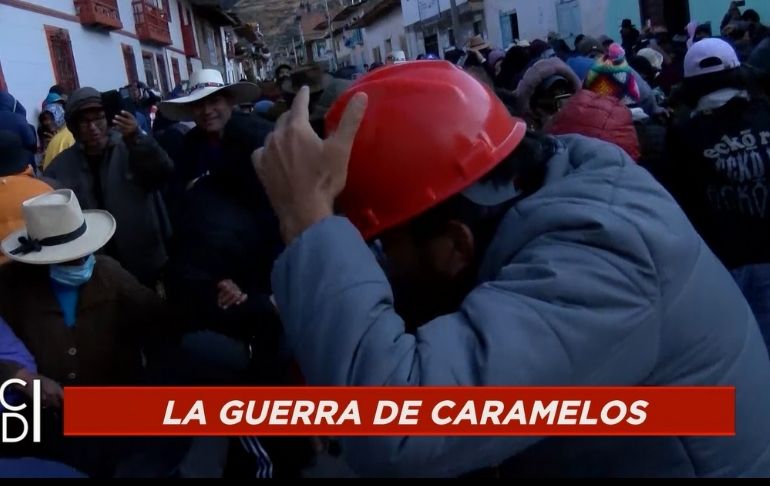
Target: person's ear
<point>453,251</point>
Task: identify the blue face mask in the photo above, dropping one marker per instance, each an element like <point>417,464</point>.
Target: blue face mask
<point>73,275</point>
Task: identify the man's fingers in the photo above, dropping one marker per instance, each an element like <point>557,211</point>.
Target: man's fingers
<point>351,120</point>
<point>228,298</point>
<point>300,107</point>
<point>122,122</point>
<point>283,120</point>
<point>256,156</point>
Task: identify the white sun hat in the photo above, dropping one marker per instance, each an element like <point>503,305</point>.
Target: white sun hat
<point>654,57</point>
<point>205,83</point>
<point>57,230</point>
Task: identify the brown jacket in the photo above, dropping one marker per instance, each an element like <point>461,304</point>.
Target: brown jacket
<point>115,315</point>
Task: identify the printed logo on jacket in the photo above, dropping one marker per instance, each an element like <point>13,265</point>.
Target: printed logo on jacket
<point>741,165</point>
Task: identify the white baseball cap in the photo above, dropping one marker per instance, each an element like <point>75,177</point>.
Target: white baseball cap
<point>710,56</point>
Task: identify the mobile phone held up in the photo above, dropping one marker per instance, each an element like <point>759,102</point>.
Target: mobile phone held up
<point>115,101</point>
<point>740,3</point>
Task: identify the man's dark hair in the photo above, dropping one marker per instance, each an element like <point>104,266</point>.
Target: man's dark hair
<point>526,165</point>
<point>58,89</point>
<point>454,55</point>
<point>514,63</point>
<point>699,86</point>
<point>282,66</point>
<point>703,29</point>
<point>579,38</point>
<point>642,66</point>
<point>537,47</point>
<point>750,15</point>
<point>561,48</point>
<point>473,61</point>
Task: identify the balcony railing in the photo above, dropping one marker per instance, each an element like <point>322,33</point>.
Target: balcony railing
<point>151,23</point>
<point>188,39</point>
<point>99,13</point>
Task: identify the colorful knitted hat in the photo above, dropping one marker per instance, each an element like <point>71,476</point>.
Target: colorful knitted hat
<point>612,76</point>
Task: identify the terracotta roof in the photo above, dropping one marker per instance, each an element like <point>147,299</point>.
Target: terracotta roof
<point>310,20</point>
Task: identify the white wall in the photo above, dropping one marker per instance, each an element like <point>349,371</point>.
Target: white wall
<point>60,5</point>
<point>182,67</point>
<point>174,26</point>
<point>388,27</point>
<point>197,65</point>
<point>26,59</point>
<point>126,12</point>
<point>429,8</point>
<point>536,19</point>
<point>594,17</point>
<point>416,43</point>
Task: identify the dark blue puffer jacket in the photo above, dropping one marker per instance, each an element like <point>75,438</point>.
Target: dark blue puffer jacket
<point>13,117</point>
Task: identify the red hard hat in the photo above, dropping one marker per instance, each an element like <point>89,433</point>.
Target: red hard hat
<point>430,131</point>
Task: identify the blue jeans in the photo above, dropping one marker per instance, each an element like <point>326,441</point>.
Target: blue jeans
<point>754,282</point>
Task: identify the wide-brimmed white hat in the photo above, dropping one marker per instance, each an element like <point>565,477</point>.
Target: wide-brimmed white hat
<point>205,83</point>
<point>57,230</point>
<point>654,57</point>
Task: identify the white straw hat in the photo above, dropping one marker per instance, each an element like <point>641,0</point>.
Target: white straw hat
<point>654,57</point>
<point>205,83</point>
<point>57,230</point>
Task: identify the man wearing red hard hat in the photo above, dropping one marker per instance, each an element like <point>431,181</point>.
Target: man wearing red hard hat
<point>540,261</point>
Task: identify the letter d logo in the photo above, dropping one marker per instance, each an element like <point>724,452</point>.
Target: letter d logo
<point>11,412</point>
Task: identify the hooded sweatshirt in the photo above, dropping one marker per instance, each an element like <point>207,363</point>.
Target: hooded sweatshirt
<point>720,158</point>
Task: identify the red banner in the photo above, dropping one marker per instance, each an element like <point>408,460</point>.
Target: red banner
<point>341,411</point>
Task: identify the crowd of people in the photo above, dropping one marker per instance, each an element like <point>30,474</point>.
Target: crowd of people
<point>539,215</point>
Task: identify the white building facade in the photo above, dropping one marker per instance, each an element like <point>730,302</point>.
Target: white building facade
<point>507,20</point>
<point>385,34</point>
<point>429,27</point>
<point>45,42</point>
